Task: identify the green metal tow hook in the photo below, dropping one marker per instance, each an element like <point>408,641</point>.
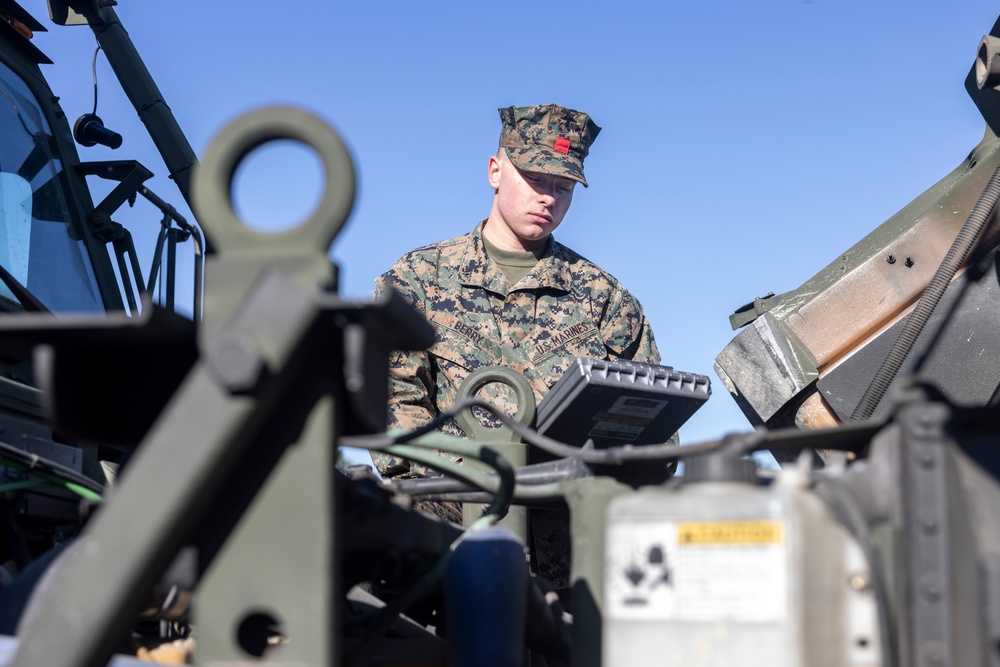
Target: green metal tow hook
<point>525,404</point>
<point>503,440</point>
<point>213,187</point>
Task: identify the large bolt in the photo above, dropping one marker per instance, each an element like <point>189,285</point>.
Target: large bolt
<point>987,63</point>
<point>233,360</point>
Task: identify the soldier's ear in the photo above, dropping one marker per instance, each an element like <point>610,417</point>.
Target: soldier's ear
<point>493,169</point>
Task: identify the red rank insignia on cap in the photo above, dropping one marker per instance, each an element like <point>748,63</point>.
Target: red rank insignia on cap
<point>562,145</point>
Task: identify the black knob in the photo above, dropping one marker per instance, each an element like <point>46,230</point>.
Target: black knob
<point>89,130</point>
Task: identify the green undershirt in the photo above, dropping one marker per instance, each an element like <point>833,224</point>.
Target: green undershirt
<point>514,264</point>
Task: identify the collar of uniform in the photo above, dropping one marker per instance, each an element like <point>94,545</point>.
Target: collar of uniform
<point>478,270</point>
<point>552,270</point>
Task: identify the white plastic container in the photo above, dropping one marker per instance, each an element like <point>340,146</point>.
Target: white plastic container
<point>728,573</point>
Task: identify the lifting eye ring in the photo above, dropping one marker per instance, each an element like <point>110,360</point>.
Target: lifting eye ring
<point>213,182</point>
<point>479,379</point>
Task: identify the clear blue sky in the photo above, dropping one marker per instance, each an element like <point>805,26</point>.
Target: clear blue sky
<point>745,144</point>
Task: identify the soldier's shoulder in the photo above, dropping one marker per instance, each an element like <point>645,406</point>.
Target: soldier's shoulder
<point>426,258</point>
<point>433,252</point>
<point>584,271</point>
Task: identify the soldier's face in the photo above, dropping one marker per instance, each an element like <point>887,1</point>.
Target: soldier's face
<point>528,206</point>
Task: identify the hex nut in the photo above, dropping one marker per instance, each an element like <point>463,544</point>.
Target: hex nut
<point>233,360</point>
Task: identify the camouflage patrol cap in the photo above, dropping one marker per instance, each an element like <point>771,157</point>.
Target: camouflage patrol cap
<point>548,138</point>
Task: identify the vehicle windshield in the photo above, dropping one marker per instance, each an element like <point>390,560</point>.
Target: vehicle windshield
<point>39,244</point>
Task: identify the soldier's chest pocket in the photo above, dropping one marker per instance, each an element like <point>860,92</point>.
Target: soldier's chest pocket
<point>555,354</point>
<point>457,355</point>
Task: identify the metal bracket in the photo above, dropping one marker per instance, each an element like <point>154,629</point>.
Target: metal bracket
<point>129,174</point>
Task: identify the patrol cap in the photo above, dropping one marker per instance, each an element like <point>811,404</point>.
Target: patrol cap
<point>548,138</point>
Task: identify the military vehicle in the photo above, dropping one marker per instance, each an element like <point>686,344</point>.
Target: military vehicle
<point>230,526</point>
<point>65,255</point>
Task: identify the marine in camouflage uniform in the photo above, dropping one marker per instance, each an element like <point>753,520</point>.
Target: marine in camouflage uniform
<point>565,307</point>
<point>559,307</point>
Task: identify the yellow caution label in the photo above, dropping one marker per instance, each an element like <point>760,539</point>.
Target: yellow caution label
<point>730,532</point>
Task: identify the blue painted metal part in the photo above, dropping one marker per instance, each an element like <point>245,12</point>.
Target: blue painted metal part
<point>485,597</point>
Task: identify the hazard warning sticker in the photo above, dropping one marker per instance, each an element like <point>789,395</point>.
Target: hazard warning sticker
<point>662,570</point>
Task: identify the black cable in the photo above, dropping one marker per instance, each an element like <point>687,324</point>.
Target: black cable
<point>608,456</point>
<point>535,474</point>
<point>502,491</point>
<point>35,462</point>
<point>505,471</point>
<point>848,437</point>
<point>915,323</point>
<point>94,67</point>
